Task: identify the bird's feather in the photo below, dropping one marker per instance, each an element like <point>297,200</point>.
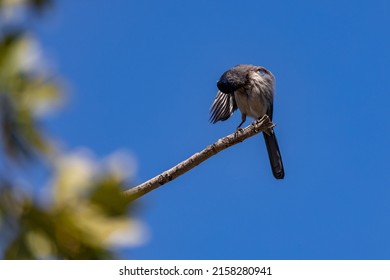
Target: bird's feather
<point>223,107</point>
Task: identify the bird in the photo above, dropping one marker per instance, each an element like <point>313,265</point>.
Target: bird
<point>250,89</point>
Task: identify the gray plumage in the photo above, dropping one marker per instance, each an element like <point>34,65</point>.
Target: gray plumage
<point>250,89</point>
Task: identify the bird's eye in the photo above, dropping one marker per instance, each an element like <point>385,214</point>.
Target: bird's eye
<point>262,71</point>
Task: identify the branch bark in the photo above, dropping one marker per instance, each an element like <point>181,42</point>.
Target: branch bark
<point>236,137</point>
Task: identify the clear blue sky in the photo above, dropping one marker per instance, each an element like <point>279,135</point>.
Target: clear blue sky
<point>143,76</point>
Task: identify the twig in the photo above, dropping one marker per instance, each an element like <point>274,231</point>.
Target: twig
<point>186,165</point>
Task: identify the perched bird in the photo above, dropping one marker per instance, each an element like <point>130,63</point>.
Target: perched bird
<point>251,89</point>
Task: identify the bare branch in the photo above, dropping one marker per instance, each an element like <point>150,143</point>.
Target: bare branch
<point>236,137</point>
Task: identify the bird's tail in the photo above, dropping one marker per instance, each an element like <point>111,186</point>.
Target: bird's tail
<point>274,155</point>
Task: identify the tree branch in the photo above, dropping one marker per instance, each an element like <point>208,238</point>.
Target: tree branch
<point>186,165</point>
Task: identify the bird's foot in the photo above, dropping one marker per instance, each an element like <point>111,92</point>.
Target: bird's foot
<point>238,131</point>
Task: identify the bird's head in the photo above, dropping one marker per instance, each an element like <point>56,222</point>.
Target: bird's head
<point>234,78</point>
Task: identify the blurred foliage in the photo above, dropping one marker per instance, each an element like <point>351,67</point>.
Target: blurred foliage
<point>85,209</point>
<point>83,214</point>
<point>34,5</point>
<point>23,92</point>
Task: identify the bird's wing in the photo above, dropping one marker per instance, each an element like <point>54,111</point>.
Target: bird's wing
<point>223,107</point>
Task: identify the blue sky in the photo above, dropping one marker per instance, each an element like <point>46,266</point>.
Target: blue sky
<point>142,76</point>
